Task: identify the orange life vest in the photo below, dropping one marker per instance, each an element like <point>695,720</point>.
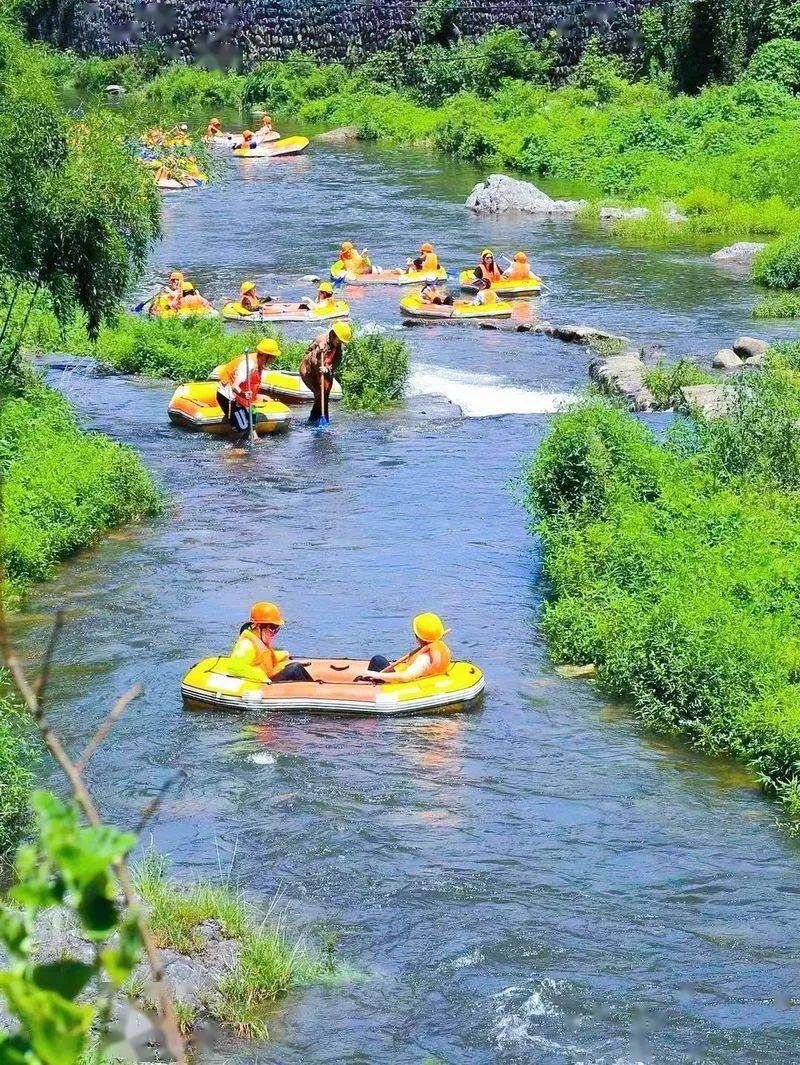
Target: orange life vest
<point>248,390</point>
<point>495,274</point>
<point>520,272</point>
<point>440,660</point>
<point>263,657</point>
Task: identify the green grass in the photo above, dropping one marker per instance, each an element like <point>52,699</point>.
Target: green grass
<point>665,380</point>
<point>17,758</point>
<point>270,962</point>
<point>62,487</point>
<point>674,567</point>
<point>778,305</point>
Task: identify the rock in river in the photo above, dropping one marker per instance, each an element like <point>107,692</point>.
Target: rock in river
<point>500,193</point>
<point>341,135</point>
<point>748,347</point>
<point>726,359</point>
<point>741,254</point>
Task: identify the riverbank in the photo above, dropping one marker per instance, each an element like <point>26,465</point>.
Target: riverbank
<point>672,567</point>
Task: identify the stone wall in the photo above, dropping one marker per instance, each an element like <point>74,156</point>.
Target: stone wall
<point>258,29</point>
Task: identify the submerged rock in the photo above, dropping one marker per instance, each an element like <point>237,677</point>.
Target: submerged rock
<point>612,214</point>
<point>748,347</point>
<point>577,672</point>
<point>341,135</point>
<point>432,408</point>
<point>499,193</point>
<point>741,254</point>
<point>623,375</point>
<point>727,359</point>
<point>584,334</point>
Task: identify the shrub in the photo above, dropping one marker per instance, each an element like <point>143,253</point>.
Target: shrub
<point>374,371</point>
<point>190,87</point>
<point>16,777</point>
<point>779,305</point>
<point>777,60</point>
<point>778,265</point>
<point>665,380</point>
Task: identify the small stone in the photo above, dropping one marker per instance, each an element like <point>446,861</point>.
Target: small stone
<point>577,672</point>
<point>608,214</point>
<point>341,135</point>
<point>756,361</point>
<point>726,359</point>
<point>747,347</point>
<point>709,401</point>
<point>115,90</point>
<point>584,334</point>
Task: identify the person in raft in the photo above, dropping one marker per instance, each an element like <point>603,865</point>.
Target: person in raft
<point>485,295</point>
<point>351,261</point>
<point>319,365</point>
<point>213,129</point>
<point>520,269</point>
<point>427,260</point>
<point>433,293</point>
<point>323,301</point>
<point>250,299</point>
<point>240,380</point>
<point>488,269</point>
<point>248,140</point>
<point>191,300</point>
<point>266,127</point>
<point>253,656</point>
<point>430,658</point>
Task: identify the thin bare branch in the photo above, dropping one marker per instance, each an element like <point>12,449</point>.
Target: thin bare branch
<point>52,643</point>
<point>154,805</point>
<point>118,709</point>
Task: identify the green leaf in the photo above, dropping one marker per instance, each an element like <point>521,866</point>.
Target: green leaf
<point>57,1028</point>
<point>97,908</point>
<point>68,977</point>
<point>14,1050</point>
<point>120,963</point>
<point>14,933</point>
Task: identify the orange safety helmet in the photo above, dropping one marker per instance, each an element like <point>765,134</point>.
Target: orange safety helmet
<point>266,614</point>
<point>426,248</point>
<point>520,257</point>
<point>247,135</point>
<point>347,246</point>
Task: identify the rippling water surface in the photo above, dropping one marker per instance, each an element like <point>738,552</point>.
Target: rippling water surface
<point>536,881</point>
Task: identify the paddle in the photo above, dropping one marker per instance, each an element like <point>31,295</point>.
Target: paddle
<point>323,421</point>
<point>251,439</point>
<point>141,306</point>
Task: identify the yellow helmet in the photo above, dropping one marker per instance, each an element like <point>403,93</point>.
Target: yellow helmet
<point>428,627</point>
<point>327,288</point>
<point>176,275</point>
<point>268,347</point>
<point>343,331</point>
<point>487,251</point>
<point>348,246</point>
<point>426,248</point>
<point>520,257</point>
<point>187,286</point>
<point>248,286</point>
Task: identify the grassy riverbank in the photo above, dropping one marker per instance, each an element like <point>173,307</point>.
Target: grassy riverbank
<point>674,567</point>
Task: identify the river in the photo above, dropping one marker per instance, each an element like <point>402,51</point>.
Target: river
<point>535,881</point>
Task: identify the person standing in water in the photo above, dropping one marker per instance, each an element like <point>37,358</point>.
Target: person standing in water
<point>240,380</point>
<point>319,366</point>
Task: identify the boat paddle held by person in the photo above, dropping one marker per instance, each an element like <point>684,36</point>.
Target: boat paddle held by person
<point>253,656</point>
<point>318,368</point>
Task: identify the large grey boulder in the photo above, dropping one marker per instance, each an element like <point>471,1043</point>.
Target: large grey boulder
<point>499,193</point>
<point>748,347</point>
<point>584,334</point>
<point>341,135</point>
<point>623,375</point>
<point>709,401</point>
<point>727,359</point>
<point>741,254</point>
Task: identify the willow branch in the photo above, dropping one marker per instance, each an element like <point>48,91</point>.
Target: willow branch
<point>118,709</point>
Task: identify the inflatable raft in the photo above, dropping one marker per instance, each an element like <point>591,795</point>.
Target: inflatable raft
<point>414,307</point>
<point>284,312</point>
<point>190,312</point>
<point>506,287</point>
<point>194,406</point>
<point>391,277</point>
<point>286,146</point>
<point>289,388</point>
<point>334,690</point>
<point>234,140</point>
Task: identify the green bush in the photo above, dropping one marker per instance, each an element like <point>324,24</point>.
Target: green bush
<point>777,60</point>
<point>62,487</point>
<point>16,777</point>
<point>778,265</point>
<point>194,88</point>
<point>665,380</point>
<point>649,553</point>
<point>374,371</point>
<point>779,305</point>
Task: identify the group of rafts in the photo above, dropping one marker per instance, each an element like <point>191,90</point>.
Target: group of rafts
<point>163,152</point>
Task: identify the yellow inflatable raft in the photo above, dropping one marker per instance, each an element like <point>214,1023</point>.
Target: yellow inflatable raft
<point>288,387</point>
<point>234,140</point>
<point>391,277</point>
<point>265,150</point>
<point>334,690</point>
<point>182,312</point>
<point>194,406</point>
<point>506,287</point>
<point>284,312</point>
<point>414,307</point>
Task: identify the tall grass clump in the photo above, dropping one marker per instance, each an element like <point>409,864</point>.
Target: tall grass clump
<point>194,88</point>
<point>16,778</point>
<point>269,961</point>
<point>778,305</point>
<point>674,566</point>
<point>374,371</point>
<point>778,265</point>
<point>62,486</point>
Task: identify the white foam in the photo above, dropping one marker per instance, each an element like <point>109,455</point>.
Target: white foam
<point>482,395</point>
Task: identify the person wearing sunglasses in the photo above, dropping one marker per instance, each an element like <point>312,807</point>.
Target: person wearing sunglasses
<point>254,658</point>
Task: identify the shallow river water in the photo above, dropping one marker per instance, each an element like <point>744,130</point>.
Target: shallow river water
<point>536,881</point>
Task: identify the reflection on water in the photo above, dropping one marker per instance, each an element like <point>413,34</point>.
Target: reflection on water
<point>534,881</point>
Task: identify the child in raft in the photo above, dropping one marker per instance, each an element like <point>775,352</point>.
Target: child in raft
<point>520,269</point>
<point>323,301</point>
<point>191,300</point>
<point>436,295</point>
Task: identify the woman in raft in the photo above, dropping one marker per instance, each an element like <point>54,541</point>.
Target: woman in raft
<point>319,366</point>
<point>430,658</point>
<point>240,381</point>
<point>253,656</point>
